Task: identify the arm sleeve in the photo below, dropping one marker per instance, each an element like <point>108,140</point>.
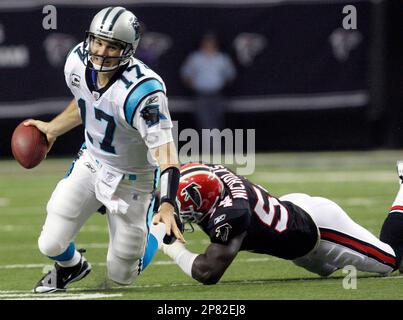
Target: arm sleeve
<point>67,71</point>
<point>71,58</point>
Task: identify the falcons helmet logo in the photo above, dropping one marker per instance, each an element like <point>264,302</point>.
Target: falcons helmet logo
<point>192,192</point>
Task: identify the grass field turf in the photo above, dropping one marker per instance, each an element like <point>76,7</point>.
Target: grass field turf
<point>363,183</point>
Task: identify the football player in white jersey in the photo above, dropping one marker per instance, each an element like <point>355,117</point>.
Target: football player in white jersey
<point>128,146</point>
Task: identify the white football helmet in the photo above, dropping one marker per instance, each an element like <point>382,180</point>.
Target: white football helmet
<point>112,24</point>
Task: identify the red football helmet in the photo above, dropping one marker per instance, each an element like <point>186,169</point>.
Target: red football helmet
<point>199,192</point>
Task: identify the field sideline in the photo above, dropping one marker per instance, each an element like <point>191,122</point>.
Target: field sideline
<point>363,183</point>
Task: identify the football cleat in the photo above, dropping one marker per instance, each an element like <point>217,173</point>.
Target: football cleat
<point>102,210</point>
<point>59,277</point>
<point>399,166</point>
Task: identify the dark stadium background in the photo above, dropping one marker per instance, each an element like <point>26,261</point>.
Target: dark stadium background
<point>297,93</point>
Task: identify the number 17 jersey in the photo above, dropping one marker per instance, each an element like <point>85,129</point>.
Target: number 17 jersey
<point>124,119</point>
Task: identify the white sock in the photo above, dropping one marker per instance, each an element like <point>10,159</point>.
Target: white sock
<point>399,198</point>
<point>72,262</point>
<point>182,256</point>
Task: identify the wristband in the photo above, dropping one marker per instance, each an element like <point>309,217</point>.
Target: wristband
<point>169,186</point>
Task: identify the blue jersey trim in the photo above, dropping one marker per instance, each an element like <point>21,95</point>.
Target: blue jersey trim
<point>83,147</point>
<point>150,211</point>
<point>152,242</point>
<point>157,173</point>
<point>138,94</point>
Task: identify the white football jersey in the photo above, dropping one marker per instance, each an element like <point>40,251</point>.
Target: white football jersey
<point>124,119</point>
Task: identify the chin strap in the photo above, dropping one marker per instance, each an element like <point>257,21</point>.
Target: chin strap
<point>191,229</point>
<point>102,68</point>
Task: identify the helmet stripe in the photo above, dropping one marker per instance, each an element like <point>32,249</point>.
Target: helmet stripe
<point>195,169</point>
<point>188,175</point>
<point>115,18</point>
<point>106,16</point>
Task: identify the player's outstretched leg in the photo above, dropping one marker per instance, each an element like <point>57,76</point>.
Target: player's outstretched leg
<point>60,277</point>
<point>392,229</point>
<point>155,239</point>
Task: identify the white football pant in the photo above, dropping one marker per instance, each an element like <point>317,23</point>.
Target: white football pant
<point>342,241</point>
<point>73,201</point>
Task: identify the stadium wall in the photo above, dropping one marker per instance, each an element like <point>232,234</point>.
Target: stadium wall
<point>303,83</point>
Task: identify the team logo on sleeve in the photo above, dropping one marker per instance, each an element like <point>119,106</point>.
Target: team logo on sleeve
<point>152,100</point>
<point>152,115</point>
<point>192,192</point>
<point>75,80</point>
<point>222,232</point>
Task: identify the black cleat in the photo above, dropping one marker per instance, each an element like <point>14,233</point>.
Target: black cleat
<point>102,210</point>
<point>59,277</point>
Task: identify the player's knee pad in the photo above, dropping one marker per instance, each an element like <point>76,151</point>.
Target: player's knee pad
<point>50,246</point>
<point>123,271</point>
<point>129,243</point>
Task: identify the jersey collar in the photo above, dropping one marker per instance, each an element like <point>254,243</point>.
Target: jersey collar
<point>92,86</point>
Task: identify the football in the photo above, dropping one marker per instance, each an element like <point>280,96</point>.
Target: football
<point>29,145</point>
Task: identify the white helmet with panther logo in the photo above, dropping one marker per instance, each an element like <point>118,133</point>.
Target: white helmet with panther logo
<point>115,24</point>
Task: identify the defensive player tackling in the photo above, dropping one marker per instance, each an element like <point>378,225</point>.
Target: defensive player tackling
<point>128,142</point>
<point>313,232</point>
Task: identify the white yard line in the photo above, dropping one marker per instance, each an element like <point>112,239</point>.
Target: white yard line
<point>4,202</point>
<point>320,159</point>
<point>21,294</point>
<point>327,177</point>
<point>16,227</point>
<point>363,202</point>
<point>23,210</point>
<point>58,296</point>
<point>95,245</point>
<point>22,266</point>
<point>103,264</point>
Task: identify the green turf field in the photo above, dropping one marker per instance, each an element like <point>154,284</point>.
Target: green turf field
<point>363,183</point>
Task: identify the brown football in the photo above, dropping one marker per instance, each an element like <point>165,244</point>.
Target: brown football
<point>29,145</point>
